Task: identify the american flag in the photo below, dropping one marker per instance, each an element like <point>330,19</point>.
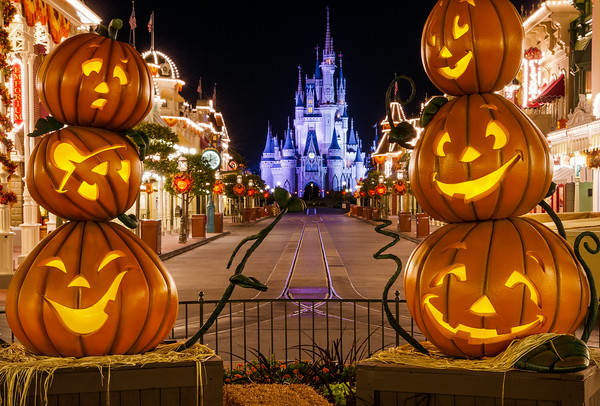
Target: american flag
<point>132,22</point>
<point>151,22</point>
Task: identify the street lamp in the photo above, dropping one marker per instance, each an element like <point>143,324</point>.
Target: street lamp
<point>182,165</point>
<point>239,182</point>
<point>250,196</point>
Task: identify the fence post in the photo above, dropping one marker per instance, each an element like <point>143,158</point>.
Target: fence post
<point>201,305</point>
<point>397,300</point>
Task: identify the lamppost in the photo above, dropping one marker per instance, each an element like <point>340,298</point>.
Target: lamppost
<point>182,165</point>
<point>251,198</point>
<point>210,212</point>
<point>239,182</point>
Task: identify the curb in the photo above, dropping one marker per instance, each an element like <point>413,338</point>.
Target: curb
<point>191,246</point>
<point>402,235</point>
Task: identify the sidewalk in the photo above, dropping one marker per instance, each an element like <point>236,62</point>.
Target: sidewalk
<point>407,235</point>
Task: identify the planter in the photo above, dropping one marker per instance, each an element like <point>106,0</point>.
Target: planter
<point>393,384</point>
<point>107,380</point>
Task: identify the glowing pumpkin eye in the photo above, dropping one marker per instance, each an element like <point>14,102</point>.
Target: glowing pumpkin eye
<point>438,144</point>
<point>517,278</point>
<point>92,65</point>
<point>101,169</point>
<point>120,73</point>
<point>470,155</point>
<point>458,270</point>
<point>125,171</point>
<point>54,262</point>
<point>459,30</point>
<point>111,256</point>
<point>499,132</point>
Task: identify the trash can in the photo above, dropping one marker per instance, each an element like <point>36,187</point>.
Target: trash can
<point>151,234</point>
<point>247,215</point>
<point>218,222</point>
<point>404,223</point>
<point>198,225</point>
<point>359,211</point>
<point>422,225</point>
<point>368,213</point>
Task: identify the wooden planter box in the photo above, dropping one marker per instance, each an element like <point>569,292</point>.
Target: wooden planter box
<point>391,384</point>
<point>153,384</point>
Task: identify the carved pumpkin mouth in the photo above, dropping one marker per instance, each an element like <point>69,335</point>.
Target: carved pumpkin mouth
<point>477,188</point>
<point>459,68</point>
<point>90,319</point>
<point>476,335</point>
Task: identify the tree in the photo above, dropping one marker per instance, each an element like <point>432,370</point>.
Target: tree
<point>161,153</point>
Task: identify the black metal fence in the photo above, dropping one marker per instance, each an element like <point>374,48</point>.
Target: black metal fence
<point>288,329</point>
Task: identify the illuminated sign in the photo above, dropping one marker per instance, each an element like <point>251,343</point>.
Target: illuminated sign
<point>16,85</point>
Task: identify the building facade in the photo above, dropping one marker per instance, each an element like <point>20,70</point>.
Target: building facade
<point>322,152</point>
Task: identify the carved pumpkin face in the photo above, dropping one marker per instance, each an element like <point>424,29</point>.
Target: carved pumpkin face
<point>91,80</point>
<point>84,173</point>
<point>472,46</point>
<point>480,158</point>
<point>91,288</point>
<point>474,287</point>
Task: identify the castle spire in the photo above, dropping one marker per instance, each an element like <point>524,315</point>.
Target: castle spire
<point>317,68</point>
<point>328,52</point>
<point>269,148</point>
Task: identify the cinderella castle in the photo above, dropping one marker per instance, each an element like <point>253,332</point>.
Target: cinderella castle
<point>322,152</point>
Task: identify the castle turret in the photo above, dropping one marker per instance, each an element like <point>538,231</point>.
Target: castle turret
<point>288,162</point>
<point>328,68</point>
<point>268,158</point>
<point>335,164</point>
<point>359,164</point>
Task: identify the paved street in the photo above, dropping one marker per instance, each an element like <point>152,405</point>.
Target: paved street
<point>349,241</point>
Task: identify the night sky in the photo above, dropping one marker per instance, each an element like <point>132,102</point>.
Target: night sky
<point>252,49</point>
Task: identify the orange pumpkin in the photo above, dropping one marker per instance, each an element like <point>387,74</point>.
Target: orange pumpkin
<point>472,46</point>
<point>381,189</point>
<point>91,288</point>
<point>474,287</point>
<point>480,158</point>
<point>91,80</point>
<point>84,173</point>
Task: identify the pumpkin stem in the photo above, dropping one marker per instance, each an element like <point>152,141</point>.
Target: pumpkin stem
<point>378,255</point>
<point>235,279</point>
<point>593,307</point>
<point>115,25</point>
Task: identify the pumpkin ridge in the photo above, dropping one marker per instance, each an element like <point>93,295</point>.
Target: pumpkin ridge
<point>141,343</point>
<point>474,47</point>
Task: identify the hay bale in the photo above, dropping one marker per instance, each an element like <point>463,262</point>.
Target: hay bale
<point>272,395</point>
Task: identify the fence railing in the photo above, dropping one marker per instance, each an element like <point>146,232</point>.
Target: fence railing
<point>288,329</point>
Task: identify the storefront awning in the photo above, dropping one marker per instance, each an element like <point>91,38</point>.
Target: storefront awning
<point>554,90</point>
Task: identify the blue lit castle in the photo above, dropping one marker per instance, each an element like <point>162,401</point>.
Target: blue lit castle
<point>322,152</point>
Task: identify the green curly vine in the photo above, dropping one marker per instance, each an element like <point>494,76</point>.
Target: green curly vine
<point>378,255</point>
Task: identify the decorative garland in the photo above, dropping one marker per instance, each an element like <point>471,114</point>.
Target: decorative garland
<point>592,159</point>
<point>8,13</point>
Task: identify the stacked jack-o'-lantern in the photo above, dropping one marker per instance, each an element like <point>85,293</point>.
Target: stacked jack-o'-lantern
<point>91,287</point>
<point>489,276</point>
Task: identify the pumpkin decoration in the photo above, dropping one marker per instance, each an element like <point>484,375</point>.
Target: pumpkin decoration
<point>400,187</point>
<point>480,158</point>
<point>472,46</point>
<point>92,80</point>
<point>91,288</point>
<point>251,192</point>
<point>381,189</point>
<point>372,192</point>
<point>183,182</point>
<point>473,287</point>
<point>239,189</point>
<point>84,173</point>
